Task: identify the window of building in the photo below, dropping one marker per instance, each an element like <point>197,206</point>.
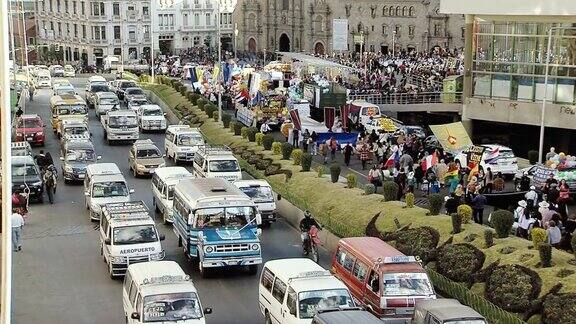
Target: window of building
<point>372,27</point>
<point>398,11</point>
<point>82,8</point>
<point>437,29</point>
<point>132,33</point>
<point>117,51</point>
<point>59,28</point>
<point>385,30</point>
<point>411,31</point>
<point>131,8</point>
<point>185,20</point>
<point>384,11</point>
<point>397,30</point>
<point>411,12</point>
<point>170,20</point>
<point>285,4</point>
<point>116,32</point>
<point>145,11</point>
<point>98,9</point>
<point>404,11</point>
<point>67,29</point>
<point>96,32</point>
<point>116,9</point>
<point>83,31</point>
<point>208,19</point>
<point>51,25</point>
<point>58,6</point>
<point>74,7</point>
<point>75,30</point>
<point>103,32</point>
<point>66,6</point>
<point>463,32</point>
<point>196,19</point>
<point>196,40</point>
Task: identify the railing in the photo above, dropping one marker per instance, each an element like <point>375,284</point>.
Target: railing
<point>408,98</point>
<point>493,313</point>
<point>98,17</point>
<point>422,82</point>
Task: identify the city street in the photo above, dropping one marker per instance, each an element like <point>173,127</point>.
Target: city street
<point>59,276</point>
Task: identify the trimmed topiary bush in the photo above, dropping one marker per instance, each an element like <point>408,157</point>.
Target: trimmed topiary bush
<point>267,141</point>
<point>545,251</point>
<point>513,287</point>
<point>538,236</point>
<point>238,128</point>
<point>251,135</point>
<point>286,150</point>
<point>231,126</point>
<point>226,118</point>
<point>435,202</point>
<point>296,156</point>
<point>259,138</point>
<point>488,237</point>
<point>459,262</point>
<point>389,190</point>
<point>409,200</point>
<point>201,102</point>
<point>573,244</point>
<point>351,180</point>
<point>277,148</point>
<point>369,189</point>
<point>533,157</point>
<point>559,308</point>
<point>320,170</point>
<point>215,116</point>
<point>306,162</point>
<point>420,241</point>
<point>209,108</point>
<point>335,172</point>
<point>244,132</point>
<point>502,221</point>
<point>456,223</point>
<point>465,213</point>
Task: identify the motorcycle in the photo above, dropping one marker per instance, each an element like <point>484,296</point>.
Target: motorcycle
<point>310,243</point>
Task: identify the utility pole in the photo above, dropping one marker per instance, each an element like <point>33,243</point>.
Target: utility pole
<point>218,60</point>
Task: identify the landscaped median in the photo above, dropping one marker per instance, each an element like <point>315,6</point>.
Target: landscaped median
<point>473,265</point>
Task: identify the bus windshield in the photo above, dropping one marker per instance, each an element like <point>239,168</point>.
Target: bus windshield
<point>122,121</point>
<point>406,284</point>
<point>225,217</point>
<point>134,234</point>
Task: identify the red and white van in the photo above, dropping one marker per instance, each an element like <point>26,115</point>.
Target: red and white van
<point>381,278</point>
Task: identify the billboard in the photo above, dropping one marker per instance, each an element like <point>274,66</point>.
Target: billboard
<point>340,34</point>
<point>453,137</point>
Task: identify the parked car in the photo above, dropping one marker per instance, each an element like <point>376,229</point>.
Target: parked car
<point>21,149</point>
<point>445,311</point>
<point>26,177</point>
<point>30,128</point>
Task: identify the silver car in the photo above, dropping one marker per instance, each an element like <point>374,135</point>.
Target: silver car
<point>144,158</point>
<point>133,93</point>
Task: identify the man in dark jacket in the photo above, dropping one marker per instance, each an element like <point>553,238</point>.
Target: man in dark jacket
<point>452,203</point>
<point>348,150</point>
<point>478,203</point>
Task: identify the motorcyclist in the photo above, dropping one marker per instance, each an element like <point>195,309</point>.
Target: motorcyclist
<point>305,225</point>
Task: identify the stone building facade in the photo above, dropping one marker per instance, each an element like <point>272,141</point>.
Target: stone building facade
<point>381,25</point>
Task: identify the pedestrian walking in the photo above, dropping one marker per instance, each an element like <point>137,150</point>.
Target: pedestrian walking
<point>295,138</point>
<point>553,234</point>
<point>305,140</point>
<point>50,183</point>
<point>364,155</point>
<point>348,150</point>
<point>451,204</point>
<point>333,143</point>
<point>313,142</point>
<point>324,152</point>
<point>478,203</point>
<point>531,197</point>
<point>17,224</point>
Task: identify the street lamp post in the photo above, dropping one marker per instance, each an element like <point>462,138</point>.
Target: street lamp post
<point>546,73</point>
<point>235,40</point>
<point>218,60</point>
<point>393,43</point>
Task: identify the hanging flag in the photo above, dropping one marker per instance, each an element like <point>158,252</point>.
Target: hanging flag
<point>344,112</point>
<point>329,115</point>
<point>199,74</point>
<point>493,156</point>
<point>430,161</point>
<point>393,159</point>
<point>295,116</point>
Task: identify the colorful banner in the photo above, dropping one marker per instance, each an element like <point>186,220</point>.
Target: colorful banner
<point>453,137</point>
<point>342,138</point>
<point>215,74</point>
<point>329,114</point>
<point>344,112</point>
<point>474,154</point>
<point>387,124</point>
<point>540,175</point>
<point>295,116</point>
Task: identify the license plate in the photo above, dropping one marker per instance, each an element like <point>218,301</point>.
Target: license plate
<point>29,138</point>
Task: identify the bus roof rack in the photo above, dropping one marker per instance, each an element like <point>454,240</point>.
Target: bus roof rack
<point>132,210</point>
<point>215,150</point>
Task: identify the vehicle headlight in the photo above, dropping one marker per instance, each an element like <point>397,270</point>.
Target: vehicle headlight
<point>118,259</point>
<point>157,256</point>
<point>39,133</point>
<point>208,249</point>
<point>255,247</point>
<point>19,134</point>
<point>140,167</point>
<point>95,208</point>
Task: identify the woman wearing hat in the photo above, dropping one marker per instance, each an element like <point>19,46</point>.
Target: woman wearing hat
<point>522,217</point>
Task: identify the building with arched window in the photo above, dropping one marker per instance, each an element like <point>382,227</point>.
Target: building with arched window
<point>306,25</point>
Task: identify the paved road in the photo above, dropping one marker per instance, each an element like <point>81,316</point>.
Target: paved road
<point>59,277</point>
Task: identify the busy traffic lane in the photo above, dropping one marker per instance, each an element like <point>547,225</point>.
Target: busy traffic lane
<point>59,276</point>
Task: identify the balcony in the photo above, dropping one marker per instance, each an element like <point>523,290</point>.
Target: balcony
<point>132,40</point>
<point>116,17</point>
<point>132,15</point>
<point>98,42</point>
<point>98,18</point>
<point>170,28</point>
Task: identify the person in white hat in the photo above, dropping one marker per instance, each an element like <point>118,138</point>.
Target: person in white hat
<point>519,211</point>
<point>531,197</point>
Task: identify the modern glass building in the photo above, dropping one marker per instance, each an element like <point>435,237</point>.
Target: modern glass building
<point>506,50</point>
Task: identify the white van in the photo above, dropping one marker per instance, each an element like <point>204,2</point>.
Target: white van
<point>163,182</point>
<point>498,158</point>
<point>216,162</point>
<point>151,117</point>
<point>43,79</point>
<point>291,291</point>
<point>104,183</point>
<point>262,195</point>
<point>160,291</point>
<point>365,111</point>
<point>182,142</point>
<point>128,235</point>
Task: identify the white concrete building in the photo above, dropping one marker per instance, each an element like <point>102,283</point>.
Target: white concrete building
<point>87,31</point>
<point>181,24</point>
